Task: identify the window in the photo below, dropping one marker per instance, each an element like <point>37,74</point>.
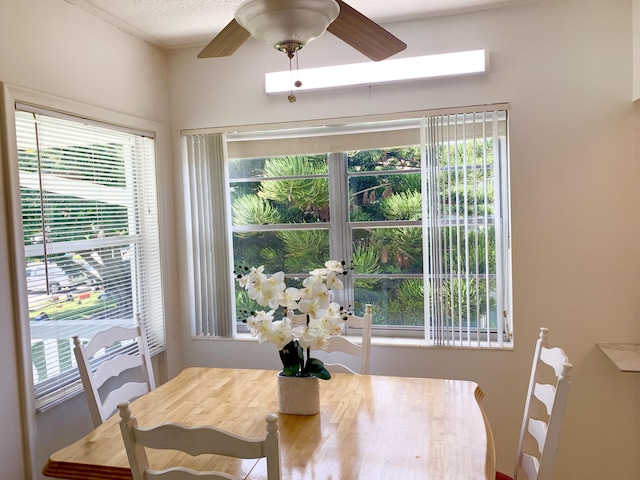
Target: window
<point>90,233</point>
<point>417,209</point>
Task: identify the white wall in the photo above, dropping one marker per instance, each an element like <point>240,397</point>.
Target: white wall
<point>53,47</point>
<point>565,67</point>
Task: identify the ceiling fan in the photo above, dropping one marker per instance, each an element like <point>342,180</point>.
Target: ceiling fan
<point>288,25</point>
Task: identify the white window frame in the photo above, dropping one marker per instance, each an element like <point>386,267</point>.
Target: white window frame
<point>11,95</point>
<point>305,143</point>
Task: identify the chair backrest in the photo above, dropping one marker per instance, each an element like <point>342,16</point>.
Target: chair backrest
<point>95,374</point>
<point>195,441</point>
<point>342,344</point>
<point>552,396</point>
<point>296,319</point>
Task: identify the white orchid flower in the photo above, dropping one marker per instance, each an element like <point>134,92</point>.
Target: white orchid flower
<point>313,338</point>
<point>261,324</point>
<point>319,272</point>
<point>334,311</point>
<point>298,331</point>
<point>334,266</point>
<point>323,296</point>
<point>289,298</point>
<point>257,270</point>
<point>254,286</point>
<point>312,307</point>
<point>280,334</point>
<point>270,290</point>
<point>312,280</point>
<point>333,281</point>
<point>324,318</point>
<point>254,277</point>
<point>330,325</point>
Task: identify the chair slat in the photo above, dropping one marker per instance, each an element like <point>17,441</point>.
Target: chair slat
<point>126,392</point>
<point>108,337</point>
<point>199,440</point>
<point>555,358</point>
<point>538,430</point>
<point>115,366</point>
<point>546,393</point>
<point>530,465</point>
<point>342,344</point>
<point>180,473</point>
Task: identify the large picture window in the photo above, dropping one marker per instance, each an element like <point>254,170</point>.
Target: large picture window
<point>416,208</point>
<point>90,231</point>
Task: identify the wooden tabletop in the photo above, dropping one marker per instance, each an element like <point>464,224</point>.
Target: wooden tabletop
<point>369,427</point>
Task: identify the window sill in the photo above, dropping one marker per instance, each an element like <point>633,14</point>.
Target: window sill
<point>380,342</point>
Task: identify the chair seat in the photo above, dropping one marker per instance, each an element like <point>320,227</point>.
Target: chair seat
<point>502,476</point>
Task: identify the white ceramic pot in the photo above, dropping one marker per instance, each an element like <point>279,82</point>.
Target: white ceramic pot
<point>298,395</point>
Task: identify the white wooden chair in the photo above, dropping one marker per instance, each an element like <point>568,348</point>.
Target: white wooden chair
<point>296,319</point>
<point>95,374</point>
<point>195,441</point>
<point>553,397</point>
<point>342,344</point>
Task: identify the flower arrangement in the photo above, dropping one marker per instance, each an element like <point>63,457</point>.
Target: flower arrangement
<point>324,317</point>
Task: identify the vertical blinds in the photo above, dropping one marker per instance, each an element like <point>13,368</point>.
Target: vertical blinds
<point>464,180</point>
<point>90,225</point>
<point>208,227</point>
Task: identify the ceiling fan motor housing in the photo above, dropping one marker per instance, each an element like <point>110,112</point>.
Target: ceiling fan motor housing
<point>286,24</point>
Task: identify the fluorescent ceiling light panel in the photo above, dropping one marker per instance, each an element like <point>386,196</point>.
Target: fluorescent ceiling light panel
<point>371,73</point>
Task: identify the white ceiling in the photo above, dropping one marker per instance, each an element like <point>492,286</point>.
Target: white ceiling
<point>181,23</point>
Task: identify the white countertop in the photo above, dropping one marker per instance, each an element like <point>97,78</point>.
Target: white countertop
<point>626,356</point>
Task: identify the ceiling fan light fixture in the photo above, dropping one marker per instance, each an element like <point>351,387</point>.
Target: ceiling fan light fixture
<point>287,25</point>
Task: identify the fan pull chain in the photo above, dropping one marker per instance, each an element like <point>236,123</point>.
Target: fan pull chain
<point>292,98</point>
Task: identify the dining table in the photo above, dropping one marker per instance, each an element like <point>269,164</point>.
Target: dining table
<point>369,427</point>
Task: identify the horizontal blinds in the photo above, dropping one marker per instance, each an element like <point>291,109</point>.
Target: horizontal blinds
<point>90,229</point>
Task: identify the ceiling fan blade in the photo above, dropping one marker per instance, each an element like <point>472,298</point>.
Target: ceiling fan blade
<point>364,34</point>
<point>226,42</point>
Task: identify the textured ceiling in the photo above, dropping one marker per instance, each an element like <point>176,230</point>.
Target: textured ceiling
<point>180,23</point>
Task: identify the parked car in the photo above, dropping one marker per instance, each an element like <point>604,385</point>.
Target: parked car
<point>37,275</point>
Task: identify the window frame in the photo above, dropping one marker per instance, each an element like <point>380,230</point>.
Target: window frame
<point>299,131</point>
<point>10,96</point>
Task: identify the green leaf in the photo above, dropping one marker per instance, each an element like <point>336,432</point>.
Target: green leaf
<point>290,371</point>
<point>322,374</point>
<point>315,368</point>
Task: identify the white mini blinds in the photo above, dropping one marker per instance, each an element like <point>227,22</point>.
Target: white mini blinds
<point>90,230</point>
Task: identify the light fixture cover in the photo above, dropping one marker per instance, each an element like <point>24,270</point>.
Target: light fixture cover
<point>277,22</point>
<point>471,62</point>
